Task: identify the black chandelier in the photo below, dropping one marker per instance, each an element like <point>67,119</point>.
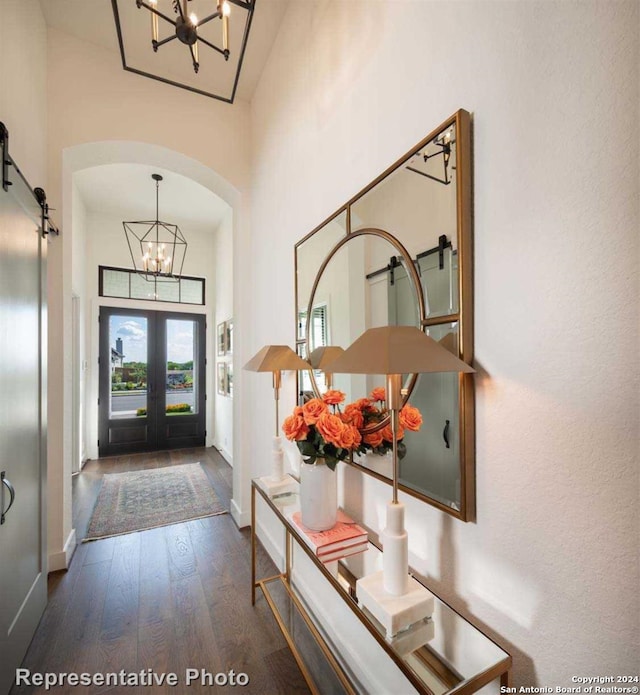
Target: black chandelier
<point>186,27</point>
<point>162,246</point>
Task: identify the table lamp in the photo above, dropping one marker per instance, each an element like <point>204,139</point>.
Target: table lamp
<point>321,357</point>
<point>276,359</point>
<point>392,596</point>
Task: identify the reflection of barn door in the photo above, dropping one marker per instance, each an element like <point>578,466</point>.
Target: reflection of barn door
<point>23,575</point>
<point>431,463</point>
<point>152,381</point>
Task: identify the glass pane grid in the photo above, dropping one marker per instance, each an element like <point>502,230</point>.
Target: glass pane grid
<point>127,284</point>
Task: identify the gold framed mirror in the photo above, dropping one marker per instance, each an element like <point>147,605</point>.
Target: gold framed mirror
<point>400,251</point>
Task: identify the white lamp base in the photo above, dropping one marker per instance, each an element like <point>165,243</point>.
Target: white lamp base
<point>395,613</point>
<point>277,482</point>
<point>414,637</point>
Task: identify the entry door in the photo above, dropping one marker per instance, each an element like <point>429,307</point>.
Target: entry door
<point>23,571</point>
<point>152,381</point>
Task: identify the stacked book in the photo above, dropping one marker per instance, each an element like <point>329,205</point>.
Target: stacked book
<point>344,539</point>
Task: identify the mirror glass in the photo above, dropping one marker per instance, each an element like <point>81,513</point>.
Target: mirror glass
<point>417,204</point>
<point>423,203</point>
<point>365,268</point>
<point>309,254</point>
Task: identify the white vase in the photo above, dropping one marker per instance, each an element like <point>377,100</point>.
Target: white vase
<point>318,496</point>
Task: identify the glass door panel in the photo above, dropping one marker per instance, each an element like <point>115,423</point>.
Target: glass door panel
<point>181,372</point>
<point>128,344</point>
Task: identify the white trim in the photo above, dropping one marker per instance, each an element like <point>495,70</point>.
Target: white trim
<point>225,454</point>
<point>242,519</point>
<point>62,560</point>
<point>270,545</point>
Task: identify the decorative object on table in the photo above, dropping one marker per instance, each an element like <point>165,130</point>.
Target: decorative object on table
<point>139,500</point>
<point>373,411</point>
<point>222,339</point>
<point>324,436</point>
<point>344,538</point>
<point>228,345</point>
<point>276,359</point>
<point>222,37</point>
<point>321,357</point>
<point>222,378</point>
<point>392,596</point>
<point>162,246</point>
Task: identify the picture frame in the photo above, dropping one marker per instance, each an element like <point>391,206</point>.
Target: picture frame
<point>222,338</point>
<point>222,378</point>
<point>229,380</point>
<point>228,337</point>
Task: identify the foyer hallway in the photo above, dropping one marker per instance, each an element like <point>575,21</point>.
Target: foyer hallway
<point>168,599</point>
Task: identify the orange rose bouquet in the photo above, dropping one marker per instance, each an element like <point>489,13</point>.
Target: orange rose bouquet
<point>372,410</point>
<point>322,430</point>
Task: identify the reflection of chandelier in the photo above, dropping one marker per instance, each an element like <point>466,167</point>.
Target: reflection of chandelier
<point>162,246</point>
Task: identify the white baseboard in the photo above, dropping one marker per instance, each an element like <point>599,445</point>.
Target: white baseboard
<point>62,559</point>
<point>225,454</point>
<point>270,545</point>
<point>242,519</point>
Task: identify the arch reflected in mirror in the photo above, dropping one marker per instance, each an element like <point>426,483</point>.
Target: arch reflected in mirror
<point>362,283</point>
<point>424,201</point>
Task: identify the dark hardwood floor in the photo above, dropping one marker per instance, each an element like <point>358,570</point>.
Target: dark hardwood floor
<point>168,599</point>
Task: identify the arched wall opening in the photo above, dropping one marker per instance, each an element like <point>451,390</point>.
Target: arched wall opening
<point>70,303</point>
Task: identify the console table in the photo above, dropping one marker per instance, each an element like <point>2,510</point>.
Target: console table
<point>445,654</point>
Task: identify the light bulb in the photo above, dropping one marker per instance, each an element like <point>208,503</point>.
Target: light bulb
<point>194,19</point>
<point>226,8</point>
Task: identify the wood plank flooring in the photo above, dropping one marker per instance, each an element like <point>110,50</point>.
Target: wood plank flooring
<point>166,599</point>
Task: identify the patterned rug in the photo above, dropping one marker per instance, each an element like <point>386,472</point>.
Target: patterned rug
<point>140,500</point>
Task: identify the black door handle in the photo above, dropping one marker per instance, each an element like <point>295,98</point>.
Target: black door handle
<point>12,495</point>
<point>445,434</point>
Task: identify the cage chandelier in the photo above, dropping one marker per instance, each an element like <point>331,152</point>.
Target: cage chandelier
<point>157,248</point>
<point>186,24</point>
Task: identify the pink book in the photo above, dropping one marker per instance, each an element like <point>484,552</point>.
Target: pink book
<point>344,534</point>
<point>344,552</point>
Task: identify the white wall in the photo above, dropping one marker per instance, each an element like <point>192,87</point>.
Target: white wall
<point>23,86</point>
<point>90,99</point>
<point>78,287</point>
<point>106,246</point>
<point>550,567</point>
<point>223,282</point>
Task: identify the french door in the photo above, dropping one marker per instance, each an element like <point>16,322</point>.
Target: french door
<point>152,381</point>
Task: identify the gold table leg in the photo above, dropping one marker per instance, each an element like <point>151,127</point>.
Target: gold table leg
<point>253,546</point>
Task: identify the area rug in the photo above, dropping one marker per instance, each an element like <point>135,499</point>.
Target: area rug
<point>140,500</point>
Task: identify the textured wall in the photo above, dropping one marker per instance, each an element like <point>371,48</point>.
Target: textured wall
<point>550,568</point>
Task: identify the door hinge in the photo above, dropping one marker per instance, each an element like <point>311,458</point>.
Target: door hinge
<point>98,442</point>
<point>98,401</point>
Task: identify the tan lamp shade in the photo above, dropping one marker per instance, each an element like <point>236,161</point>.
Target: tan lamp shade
<point>275,358</point>
<point>322,356</point>
<point>396,350</point>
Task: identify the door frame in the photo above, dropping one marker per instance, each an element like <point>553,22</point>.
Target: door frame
<point>156,393</point>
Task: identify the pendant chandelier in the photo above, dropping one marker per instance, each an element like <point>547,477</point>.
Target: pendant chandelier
<point>157,248</point>
<point>175,19</point>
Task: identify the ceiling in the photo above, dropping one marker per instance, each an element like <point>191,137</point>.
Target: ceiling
<point>93,21</point>
<point>128,191</point>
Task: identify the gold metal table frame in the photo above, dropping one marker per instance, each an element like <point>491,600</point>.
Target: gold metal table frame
<point>440,669</point>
